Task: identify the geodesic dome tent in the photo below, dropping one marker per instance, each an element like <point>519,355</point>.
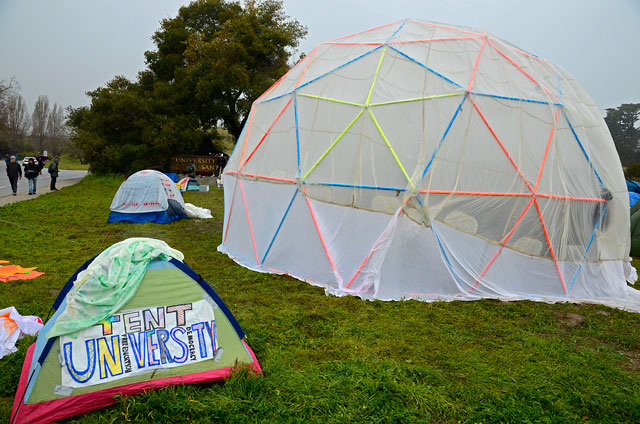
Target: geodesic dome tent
<point>428,161</point>
<point>147,196</point>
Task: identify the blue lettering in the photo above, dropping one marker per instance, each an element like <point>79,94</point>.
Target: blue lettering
<point>81,376</point>
<point>185,350</point>
<point>211,331</point>
<point>198,328</point>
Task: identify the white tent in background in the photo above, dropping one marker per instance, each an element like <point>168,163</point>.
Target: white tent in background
<point>147,196</point>
<point>429,161</point>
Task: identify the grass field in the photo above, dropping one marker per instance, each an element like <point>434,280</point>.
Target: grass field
<point>329,359</point>
<point>67,162</point>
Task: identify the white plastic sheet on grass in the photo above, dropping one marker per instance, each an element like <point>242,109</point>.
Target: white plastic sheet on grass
<point>13,327</point>
<point>194,211</point>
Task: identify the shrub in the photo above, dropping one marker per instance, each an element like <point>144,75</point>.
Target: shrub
<point>632,171</point>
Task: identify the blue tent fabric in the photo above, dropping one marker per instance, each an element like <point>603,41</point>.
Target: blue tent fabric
<point>633,186</point>
<point>174,212</point>
<point>633,198</point>
<point>161,217</point>
<point>173,176</point>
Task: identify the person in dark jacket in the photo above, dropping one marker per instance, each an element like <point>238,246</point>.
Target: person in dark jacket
<point>53,171</point>
<point>14,172</point>
<point>31,171</point>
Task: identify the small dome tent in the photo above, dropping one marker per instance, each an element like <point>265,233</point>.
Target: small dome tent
<point>188,184</point>
<point>147,196</point>
<point>132,319</point>
<point>430,161</point>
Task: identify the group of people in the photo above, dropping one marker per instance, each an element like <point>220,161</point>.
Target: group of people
<point>31,172</point>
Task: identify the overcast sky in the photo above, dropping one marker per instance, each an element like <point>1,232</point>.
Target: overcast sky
<point>63,48</point>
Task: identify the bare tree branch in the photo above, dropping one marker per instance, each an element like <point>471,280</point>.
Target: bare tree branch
<point>39,119</point>
<point>56,127</point>
<point>7,88</point>
<point>17,120</point>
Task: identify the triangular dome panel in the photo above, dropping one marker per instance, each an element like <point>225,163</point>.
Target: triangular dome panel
<point>574,178</point>
<point>498,74</point>
<point>401,78</point>
<point>321,124</point>
<point>238,233</point>
<point>276,153</point>
<point>355,160</point>
<point>470,159</point>
<point>414,144</point>
<point>451,60</point>
<point>263,207</point>
<point>350,83</point>
<point>525,130</point>
<point>300,224</point>
<point>262,117</point>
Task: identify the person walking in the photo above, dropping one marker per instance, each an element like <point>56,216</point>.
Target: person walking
<point>14,172</point>
<point>53,171</point>
<point>31,171</point>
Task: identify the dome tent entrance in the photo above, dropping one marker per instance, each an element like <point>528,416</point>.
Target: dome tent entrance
<point>147,196</point>
<point>429,161</point>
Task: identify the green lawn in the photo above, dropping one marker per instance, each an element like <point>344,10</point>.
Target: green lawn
<point>329,359</point>
<point>67,162</point>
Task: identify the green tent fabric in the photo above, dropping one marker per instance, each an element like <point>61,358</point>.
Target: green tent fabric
<point>175,329</point>
<point>109,283</point>
<point>635,230</point>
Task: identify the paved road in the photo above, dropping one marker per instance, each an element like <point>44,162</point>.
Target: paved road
<point>43,183</point>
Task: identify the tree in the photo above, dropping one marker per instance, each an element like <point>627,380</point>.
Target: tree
<point>120,133</point>
<point>17,120</point>
<point>39,119</point>
<point>626,135</point>
<point>56,127</point>
<point>211,62</point>
<point>7,89</point>
<point>215,58</point>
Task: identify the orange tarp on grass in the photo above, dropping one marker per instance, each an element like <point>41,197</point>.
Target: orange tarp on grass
<point>16,272</point>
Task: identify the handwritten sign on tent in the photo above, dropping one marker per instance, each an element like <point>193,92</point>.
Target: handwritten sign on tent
<point>138,341</point>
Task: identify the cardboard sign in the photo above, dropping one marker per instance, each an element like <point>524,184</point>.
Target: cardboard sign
<point>138,341</point>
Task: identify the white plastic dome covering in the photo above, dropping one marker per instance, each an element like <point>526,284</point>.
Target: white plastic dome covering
<point>430,161</point>
<point>146,191</point>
